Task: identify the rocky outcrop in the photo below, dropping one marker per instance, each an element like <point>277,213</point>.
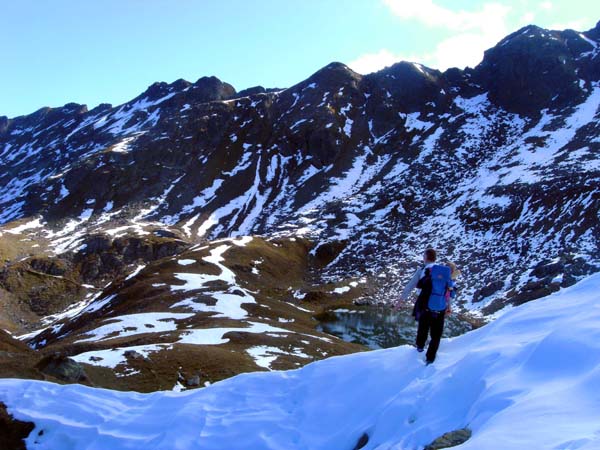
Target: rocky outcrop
<point>412,85</point>
<point>539,64</point>
<point>450,439</point>
<point>12,431</point>
<point>63,368</point>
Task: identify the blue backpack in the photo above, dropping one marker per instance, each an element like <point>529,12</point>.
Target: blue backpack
<point>440,282</point>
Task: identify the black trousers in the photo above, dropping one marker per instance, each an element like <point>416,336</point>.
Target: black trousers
<point>430,322</point>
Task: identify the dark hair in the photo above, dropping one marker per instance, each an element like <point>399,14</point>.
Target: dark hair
<point>430,255</point>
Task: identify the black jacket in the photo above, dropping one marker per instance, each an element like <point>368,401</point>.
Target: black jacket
<point>423,299</point>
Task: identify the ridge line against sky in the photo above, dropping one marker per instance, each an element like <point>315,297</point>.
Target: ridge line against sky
<point>109,52</point>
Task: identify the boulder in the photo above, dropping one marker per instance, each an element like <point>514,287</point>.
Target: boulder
<point>62,367</point>
<point>193,381</point>
<point>450,439</point>
<point>487,290</point>
<point>12,431</point>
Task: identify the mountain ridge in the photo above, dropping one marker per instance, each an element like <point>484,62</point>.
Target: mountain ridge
<point>323,146</point>
<point>181,83</point>
<point>356,174</point>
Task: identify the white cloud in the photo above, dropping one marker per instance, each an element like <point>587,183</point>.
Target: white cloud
<point>372,62</point>
<point>490,15</point>
<point>468,32</point>
<point>472,32</point>
<point>461,50</point>
<point>527,18</point>
<point>579,25</point>
<point>456,51</point>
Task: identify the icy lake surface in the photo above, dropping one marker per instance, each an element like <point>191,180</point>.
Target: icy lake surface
<point>380,327</point>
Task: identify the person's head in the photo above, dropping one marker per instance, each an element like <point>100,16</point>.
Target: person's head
<point>430,255</point>
<point>454,270</point>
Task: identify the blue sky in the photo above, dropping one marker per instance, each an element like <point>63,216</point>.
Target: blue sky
<point>86,51</point>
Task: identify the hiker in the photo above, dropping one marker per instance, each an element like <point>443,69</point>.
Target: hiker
<point>433,303</point>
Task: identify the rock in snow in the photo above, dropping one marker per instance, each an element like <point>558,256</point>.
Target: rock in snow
<point>531,379</point>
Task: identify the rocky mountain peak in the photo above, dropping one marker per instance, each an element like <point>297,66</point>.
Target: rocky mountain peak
<point>102,107</point>
<point>254,90</point>
<point>333,76</point>
<point>4,123</point>
<point>594,33</point>
<point>180,84</point>
<point>536,63</point>
<point>157,90</point>
<point>210,89</point>
<point>206,89</point>
<point>412,85</point>
<point>74,108</point>
<point>42,118</point>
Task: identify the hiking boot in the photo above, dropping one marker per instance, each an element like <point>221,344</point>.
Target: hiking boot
<point>429,361</point>
<point>420,349</point>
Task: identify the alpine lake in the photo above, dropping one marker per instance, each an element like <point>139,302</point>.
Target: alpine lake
<point>380,327</point>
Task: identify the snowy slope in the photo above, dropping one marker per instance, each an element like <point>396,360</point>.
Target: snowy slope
<point>531,379</point>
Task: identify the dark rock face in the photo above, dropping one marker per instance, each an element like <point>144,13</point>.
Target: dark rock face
<point>55,267</point>
<point>46,285</point>
<point>252,91</point>
<point>327,252</point>
<point>545,269</point>
<point>12,431</point>
<point>333,76</point>
<point>412,85</point>
<point>40,284</point>
<point>132,354</point>
<point>102,258</point>
<point>594,33</point>
<point>538,64</point>
<point>63,368</point>
<point>4,123</point>
<point>488,290</point>
<point>496,166</point>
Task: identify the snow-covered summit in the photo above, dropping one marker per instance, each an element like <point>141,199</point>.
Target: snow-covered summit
<point>529,380</point>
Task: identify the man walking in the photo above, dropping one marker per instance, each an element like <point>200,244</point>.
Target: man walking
<point>432,304</point>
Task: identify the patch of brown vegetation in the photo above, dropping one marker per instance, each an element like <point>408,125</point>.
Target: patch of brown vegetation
<point>17,360</point>
<point>41,284</point>
<point>273,270</point>
<point>42,293</point>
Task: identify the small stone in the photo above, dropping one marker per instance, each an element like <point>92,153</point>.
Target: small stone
<point>450,439</point>
<point>193,381</point>
<point>132,354</point>
<point>63,368</point>
<point>362,441</point>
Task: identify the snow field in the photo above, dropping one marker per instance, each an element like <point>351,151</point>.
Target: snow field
<point>529,380</point>
<point>228,305</point>
<point>133,324</point>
